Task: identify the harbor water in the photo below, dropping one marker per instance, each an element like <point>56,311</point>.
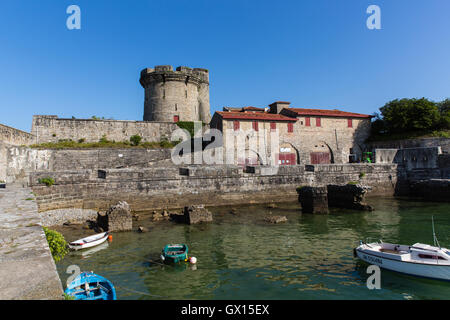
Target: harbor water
<point>240,256</point>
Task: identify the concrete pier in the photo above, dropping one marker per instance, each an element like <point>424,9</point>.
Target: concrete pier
<point>27,269</point>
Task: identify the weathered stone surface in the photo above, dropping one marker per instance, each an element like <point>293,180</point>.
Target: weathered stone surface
<point>432,189</point>
<point>349,196</point>
<point>275,219</point>
<point>15,136</point>
<point>117,218</point>
<point>164,188</point>
<point>67,216</point>
<point>313,199</point>
<point>53,129</point>
<point>183,93</point>
<point>27,269</point>
<point>196,214</point>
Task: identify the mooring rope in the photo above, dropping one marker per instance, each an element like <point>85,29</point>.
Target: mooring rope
<point>140,292</point>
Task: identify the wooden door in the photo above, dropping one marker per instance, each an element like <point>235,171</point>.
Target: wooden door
<point>320,157</point>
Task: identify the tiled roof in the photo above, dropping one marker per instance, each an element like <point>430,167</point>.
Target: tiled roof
<point>329,113</point>
<point>249,108</point>
<point>262,116</point>
<point>252,109</point>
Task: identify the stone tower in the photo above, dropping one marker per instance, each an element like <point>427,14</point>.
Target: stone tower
<point>181,95</point>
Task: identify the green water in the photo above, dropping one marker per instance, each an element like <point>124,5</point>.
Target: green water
<point>242,257</point>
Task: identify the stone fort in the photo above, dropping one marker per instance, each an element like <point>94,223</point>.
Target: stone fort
<point>170,96</point>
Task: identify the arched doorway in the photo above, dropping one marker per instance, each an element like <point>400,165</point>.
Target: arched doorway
<point>321,153</point>
<point>249,158</point>
<point>287,155</point>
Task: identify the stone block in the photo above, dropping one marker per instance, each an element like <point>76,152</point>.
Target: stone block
<point>197,214</point>
<point>313,199</point>
<point>349,196</point>
<point>117,218</point>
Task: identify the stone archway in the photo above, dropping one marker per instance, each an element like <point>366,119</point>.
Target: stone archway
<point>249,158</point>
<point>321,153</point>
<point>287,155</point>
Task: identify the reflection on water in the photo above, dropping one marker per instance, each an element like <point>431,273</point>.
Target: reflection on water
<point>242,257</point>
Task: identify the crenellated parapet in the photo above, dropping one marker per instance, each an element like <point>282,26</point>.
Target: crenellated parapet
<point>166,73</point>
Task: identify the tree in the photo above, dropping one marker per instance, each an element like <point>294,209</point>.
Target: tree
<point>408,115</point>
<point>444,110</point>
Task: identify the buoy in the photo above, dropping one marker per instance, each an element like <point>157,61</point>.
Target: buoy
<point>110,238</point>
<point>193,260</point>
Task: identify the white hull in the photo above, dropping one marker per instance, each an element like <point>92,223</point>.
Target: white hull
<point>88,243</point>
<point>434,271</point>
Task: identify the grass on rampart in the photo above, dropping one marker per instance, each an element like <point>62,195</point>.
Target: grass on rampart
<point>69,144</point>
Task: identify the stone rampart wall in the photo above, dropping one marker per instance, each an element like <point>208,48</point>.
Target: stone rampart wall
<point>53,129</point>
<point>15,136</point>
<point>170,187</point>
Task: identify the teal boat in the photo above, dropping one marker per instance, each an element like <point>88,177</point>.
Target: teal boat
<point>174,253</point>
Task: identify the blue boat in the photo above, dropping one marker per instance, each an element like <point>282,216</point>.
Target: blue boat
<point>91,286</point>
<point>174,253</point>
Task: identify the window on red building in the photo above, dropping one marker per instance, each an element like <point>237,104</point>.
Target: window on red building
<point>290,127</point>
<point>308,121</point>
<point>273,126</point>
<point>350,123</point>
<point>318,123</point>
<point>236,125</point>
<point>255,125</point>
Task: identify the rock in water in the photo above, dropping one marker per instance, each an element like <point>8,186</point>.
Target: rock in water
<point>349,196</point>
<point>196,214</point>
<point>313,199</point>
<point>142,229</point>
<point>275,219</point>
<point>117,218</point>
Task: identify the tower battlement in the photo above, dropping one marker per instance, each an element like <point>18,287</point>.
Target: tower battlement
<point>180,95</point>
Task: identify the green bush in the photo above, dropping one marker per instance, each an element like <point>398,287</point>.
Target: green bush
<point>103,139</point>
<point>189,126</point>
<point>352,182</point>
<point>47,181</point>
<point>135,140</point>
<point>56,243</point>
<point>362,175</point>
<point>82,140</point>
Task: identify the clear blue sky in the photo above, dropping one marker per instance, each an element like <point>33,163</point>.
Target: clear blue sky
<point>313,53</point>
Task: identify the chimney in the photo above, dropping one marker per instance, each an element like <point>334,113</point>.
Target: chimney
<point>277,106</point>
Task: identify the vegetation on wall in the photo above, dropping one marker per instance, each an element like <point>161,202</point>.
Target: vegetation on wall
<point>47,181</point>
<point>189,126</point>
<point>410,118</point>
<point>57,244</point>
<point>135,140</point>
<point>103,143</point>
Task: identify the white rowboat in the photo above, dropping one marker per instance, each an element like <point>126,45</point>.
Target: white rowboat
<point>89,242</point>
<point>418,260</point>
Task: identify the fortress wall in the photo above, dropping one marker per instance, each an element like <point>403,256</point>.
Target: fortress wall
<point>15,136</point>
<point>154,188</point>
<point>53,129</point>
<point>16,162</point>
<point>444,143</point>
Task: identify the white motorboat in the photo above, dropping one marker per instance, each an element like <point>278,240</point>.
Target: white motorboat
<point>420,259</point>
<point>89,242</point>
